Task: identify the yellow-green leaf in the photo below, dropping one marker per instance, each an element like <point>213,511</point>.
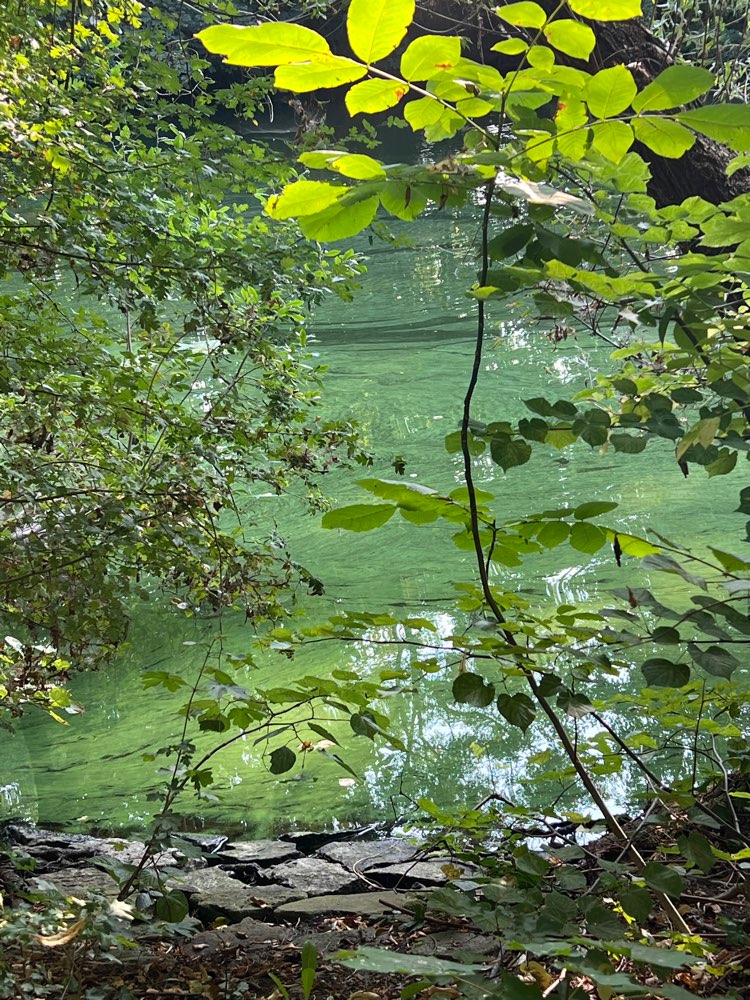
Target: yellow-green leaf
<point>511,46</point>
<point>319,74</point>
<point>271,44</point>
<point>340,222</point>
<point>304,198</point>
<point>375,27</point>
<point>727,123</point>
<point>702,433</point>
<point>359,166</point>
<point>523,15</point>
<point>571,37</point>
<point>607,10</point>
<point>610,92</point>
<point>675,86</point>
<point>372,96</point>
<point>572,135</point>
<point>403,201</point>
<point>612,139</point>
<point>429,55</point>
<point>664,136</point>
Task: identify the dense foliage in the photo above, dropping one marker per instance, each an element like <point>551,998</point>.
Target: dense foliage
<point>154,370</point>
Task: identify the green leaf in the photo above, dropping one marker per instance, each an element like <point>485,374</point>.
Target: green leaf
<point>509,452</point>
<point>637,903</point>
<point>612,139</point>
<point>663,136</point>
<point>359,516</point>
<point>402,200</point>
<point>574,705</point>
<point>376,27</point>
<point>518,709</point>
<point>674,87</point>
<point>715,660</point>
<point>428,55</point>
<point>727,123</point>
<point>333,71</point>
<point>471,689</point>
<point>304,198</point>
<point>282,760</point>
<point>553,533</point>
<point>172,906</point>
<point>724,464</point>
<point>510,241</point>
<point>659,672</point>
<point>309,966</point>
<point>358,166</point>
<point>593,509</point>
<point>511,46</point>
<point>340,222</point>
<point>270,44</point>
<point>628,444</point>
<point>372,96</point>
<point>698,850</point>
<point>606,10</point>
<point>523,15</point>
<point>571,37</point>
<point>663,879</point>
<point>587,538</point>
<point>610,92</point>
<point>702,432</point>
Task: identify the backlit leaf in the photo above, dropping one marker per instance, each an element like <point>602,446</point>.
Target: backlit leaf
<point>376,27</point>
<point>427,55</point>
<point>318,74</point>
<point>673,87</point>
<point>587,537</point>
<point>304,198</point>
<point>523,15</point>
<point>340,222</point>
<point>372,96</point>
<point>571,37</point>
<point>663,136</point>
<point>612,139</point>
<point>727,123</point>
<point>610,92</point>
<point>607,10</point>
<point>270,44</point>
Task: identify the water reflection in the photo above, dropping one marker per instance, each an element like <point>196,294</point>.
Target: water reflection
<point>398,358</point>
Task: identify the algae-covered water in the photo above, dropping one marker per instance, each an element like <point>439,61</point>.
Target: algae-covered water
<point>398,359</point>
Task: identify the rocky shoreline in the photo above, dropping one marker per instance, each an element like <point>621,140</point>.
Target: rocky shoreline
<point>299,877</point>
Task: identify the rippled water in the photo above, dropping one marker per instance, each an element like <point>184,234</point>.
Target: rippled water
<point>399,359</point>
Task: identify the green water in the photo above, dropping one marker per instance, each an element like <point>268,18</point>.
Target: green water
<point>398,358</point>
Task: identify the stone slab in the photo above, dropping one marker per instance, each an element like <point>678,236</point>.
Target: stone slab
<point>411,874</point>
<point>206,880</point>
<point>364,904</point>
<point>235,904</point>
<point>257,852</point>
<point>314,876</point>
<point>361,855</point>
<point>81,882</point>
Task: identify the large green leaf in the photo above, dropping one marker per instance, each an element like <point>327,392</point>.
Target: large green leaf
<point>571,37</point>
<point>517,709</point>
<point>359,516</point>
<point>612,139</point>
<point>663,879</point>
<point>714,660</point>
<point>429,55</point>
<point>508,452</point>
<point>588,538</point>
<point>607,10</point>
<point>318,74</point>
<point>471,689</point>
<point>340,222</point>
<point>610,92</point>
<point>304,198</point>
<point>727,123</point>
<point>402,200</point>
<point>659,672</point>
<point>372,96</point>
<point>523,15</point>
<point>270,44</point>
<point>663,136</point>
<point>282,760</point>
<point>675,86</point>
<point>375,27</point>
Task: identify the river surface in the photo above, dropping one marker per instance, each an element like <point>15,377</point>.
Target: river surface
<point>398,360</point>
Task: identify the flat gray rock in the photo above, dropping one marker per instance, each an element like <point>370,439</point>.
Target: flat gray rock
<point>257,852</point>
<point>362,855</point>
<point>249,934</point>
<point>411,873</point>
<point>207,880</point>
<point>314,876</point>
<point>364,904</point>
<point>81,882</point>
<point>257,901</point>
